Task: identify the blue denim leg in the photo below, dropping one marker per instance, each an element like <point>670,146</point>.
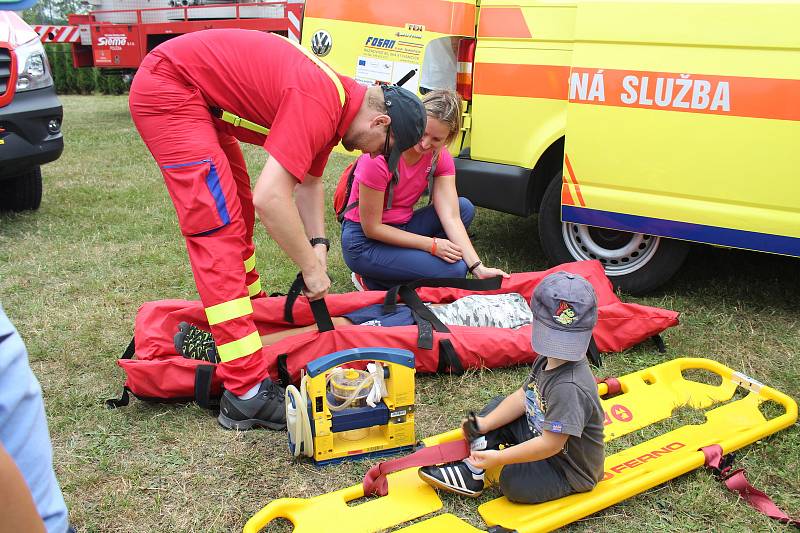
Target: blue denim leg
<point>383,266</point>
<point>425,221</point>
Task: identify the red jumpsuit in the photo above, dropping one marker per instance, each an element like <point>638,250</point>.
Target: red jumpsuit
<point>265,79</point>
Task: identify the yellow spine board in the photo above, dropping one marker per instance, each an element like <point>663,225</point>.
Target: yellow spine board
<point>650,395</point>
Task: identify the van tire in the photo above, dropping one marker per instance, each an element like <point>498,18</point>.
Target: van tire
<point>634,262</point>
<point>22,192</point>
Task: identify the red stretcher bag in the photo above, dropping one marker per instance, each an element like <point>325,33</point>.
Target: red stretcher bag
<point>155,372</point>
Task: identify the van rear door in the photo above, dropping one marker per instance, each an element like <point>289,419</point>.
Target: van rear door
<point>683,122</point>
<point>385,41</point>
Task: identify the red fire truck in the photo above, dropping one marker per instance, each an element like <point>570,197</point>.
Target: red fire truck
<point>117,36</point>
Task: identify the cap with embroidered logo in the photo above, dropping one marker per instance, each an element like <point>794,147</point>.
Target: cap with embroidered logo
<point>564,309</point>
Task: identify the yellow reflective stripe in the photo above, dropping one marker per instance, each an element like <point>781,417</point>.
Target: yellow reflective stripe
<point>254,288</point>
<point>229,310</point>
<point>325,68</point>
<point>240,122</point>
<point>250,263</point>
<point>240,348</point>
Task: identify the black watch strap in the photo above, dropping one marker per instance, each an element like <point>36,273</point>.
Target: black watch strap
<point>321,240</point>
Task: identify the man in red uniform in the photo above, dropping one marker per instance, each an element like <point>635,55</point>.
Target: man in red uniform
<point>193,98</point>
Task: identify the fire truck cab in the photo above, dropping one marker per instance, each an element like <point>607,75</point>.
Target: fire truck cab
<point>632,127</point>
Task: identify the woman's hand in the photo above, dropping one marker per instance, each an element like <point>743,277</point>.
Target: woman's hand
<point>483,272</point>
<point>485,459</point>
<point>447,250</point>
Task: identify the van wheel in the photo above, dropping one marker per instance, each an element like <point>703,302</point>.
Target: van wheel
<point>634,262</point>
<point>22,192</point>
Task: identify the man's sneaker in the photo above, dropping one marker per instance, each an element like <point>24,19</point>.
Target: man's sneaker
<point>195,343</point>
<point>358,282</point>
<point>453,477</point>
<point>266,409</point>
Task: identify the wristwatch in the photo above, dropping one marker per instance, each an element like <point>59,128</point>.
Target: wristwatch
<point>321,240</point>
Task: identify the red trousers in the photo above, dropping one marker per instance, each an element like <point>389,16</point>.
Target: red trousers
<point>207,179</point>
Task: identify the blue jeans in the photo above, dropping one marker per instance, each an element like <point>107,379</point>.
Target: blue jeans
<point>383,266</point>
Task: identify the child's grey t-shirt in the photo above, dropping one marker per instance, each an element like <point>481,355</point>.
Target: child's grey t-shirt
<point>565,400</point>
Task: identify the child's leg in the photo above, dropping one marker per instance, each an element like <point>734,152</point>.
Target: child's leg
<point>512,433</point>
<point>534,482</point>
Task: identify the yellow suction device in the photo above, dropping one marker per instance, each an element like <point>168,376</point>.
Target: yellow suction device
<point>340,412</point>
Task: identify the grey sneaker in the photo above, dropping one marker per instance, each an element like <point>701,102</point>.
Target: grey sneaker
<point>453,477</point>
<point>266,409</point>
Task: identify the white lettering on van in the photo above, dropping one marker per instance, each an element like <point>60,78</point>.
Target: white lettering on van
<point>643,99</point>
<point>629,84</point>
<point>677,93</point>
<point>722,97</point>
<point>664,91</point>
<point>598,90</point>
<point>700,95</point>
<point>578,83</point>
<point>685,84</point>
<point>581,89</point>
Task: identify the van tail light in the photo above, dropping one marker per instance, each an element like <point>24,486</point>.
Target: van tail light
<point>466,56</point>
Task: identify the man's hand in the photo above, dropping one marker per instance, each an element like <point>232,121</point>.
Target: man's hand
<point>317,283</point>
<point>485,459</point>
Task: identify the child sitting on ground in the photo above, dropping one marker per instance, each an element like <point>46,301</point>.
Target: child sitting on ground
<point>477,310</point>
<point>552,427</point>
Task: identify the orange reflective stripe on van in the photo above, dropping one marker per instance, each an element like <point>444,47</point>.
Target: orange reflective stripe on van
<point>440,16</point>
<point>772,98</point>
<point>503,22</point>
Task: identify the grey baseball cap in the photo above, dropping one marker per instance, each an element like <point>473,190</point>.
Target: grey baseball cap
<point>408,121</point>
<point>564,309</point>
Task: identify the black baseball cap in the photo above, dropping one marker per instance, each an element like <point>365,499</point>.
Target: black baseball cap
<point>408,121</point>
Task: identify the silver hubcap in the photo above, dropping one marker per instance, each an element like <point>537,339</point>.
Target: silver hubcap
<point>620,252</point>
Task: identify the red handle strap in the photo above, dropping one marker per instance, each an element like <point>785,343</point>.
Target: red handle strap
<point>375,478</point>
<point>736,482</point>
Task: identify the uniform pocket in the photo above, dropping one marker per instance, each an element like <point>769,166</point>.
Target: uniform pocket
<point>196,192</point>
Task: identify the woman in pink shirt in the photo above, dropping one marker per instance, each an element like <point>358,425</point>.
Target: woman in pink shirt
<point>384,241</point>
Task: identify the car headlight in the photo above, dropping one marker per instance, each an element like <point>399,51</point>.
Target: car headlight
<point>32,67</point>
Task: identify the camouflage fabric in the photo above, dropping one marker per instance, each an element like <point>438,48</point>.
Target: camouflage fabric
<point>485,311</point>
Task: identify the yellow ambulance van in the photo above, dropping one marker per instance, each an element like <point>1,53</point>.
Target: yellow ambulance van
<point>631,127</point>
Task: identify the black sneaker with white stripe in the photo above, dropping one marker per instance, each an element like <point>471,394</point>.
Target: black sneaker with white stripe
<point>454,477</point>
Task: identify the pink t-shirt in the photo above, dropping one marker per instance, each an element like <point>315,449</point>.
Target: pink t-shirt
<point>374,173</point>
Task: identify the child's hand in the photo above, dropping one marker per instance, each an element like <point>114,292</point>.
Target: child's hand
<point>485,459</point>
<point>470,427</point>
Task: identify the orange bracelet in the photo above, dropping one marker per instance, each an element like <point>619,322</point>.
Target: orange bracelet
<point>433,247</point>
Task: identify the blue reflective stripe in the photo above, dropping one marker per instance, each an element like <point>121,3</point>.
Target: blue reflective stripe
<point>212,180</point>
<point>749,240</point>
<point>187,164</point>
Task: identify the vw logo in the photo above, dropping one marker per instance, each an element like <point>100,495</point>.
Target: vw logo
<point>321,43</point>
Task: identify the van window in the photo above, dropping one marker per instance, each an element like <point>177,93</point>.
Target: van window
<point>439,65</point>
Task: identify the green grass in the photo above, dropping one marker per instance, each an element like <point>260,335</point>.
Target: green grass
<point>106,240</point>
